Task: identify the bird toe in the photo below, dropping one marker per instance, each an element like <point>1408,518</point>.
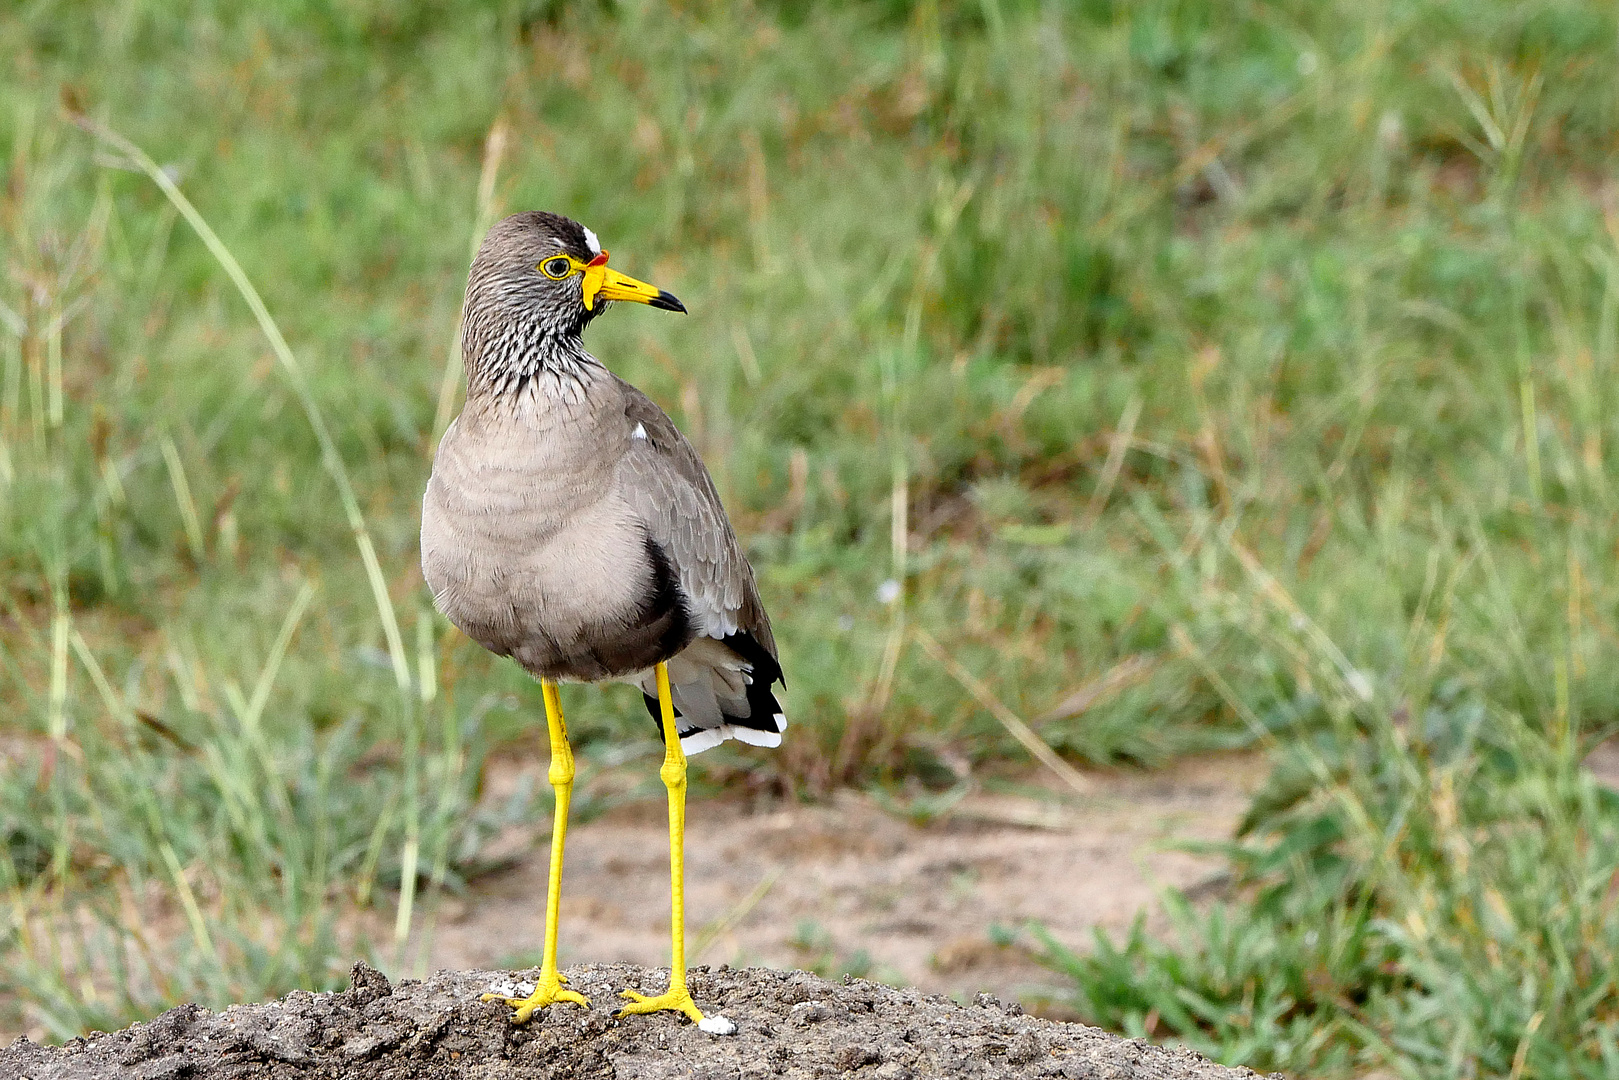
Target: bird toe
<point>547,992</point>
<point>674,1000</point>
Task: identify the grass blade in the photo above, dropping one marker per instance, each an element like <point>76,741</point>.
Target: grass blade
<point>295,375</point>
<point>182,496</point>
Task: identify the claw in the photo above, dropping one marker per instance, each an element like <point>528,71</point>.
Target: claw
<point>547,991</point>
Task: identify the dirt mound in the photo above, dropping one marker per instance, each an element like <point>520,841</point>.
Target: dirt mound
<point>790,1024</point>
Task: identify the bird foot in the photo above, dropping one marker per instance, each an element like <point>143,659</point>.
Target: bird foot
<point>547,991</point>
<point>675,999</point>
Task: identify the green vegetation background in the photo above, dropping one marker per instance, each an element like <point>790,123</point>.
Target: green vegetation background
<point>1252,363</point>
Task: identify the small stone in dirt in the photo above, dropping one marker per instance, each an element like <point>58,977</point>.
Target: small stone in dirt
<point>171,1067</point>
<point>1114,1066</point>
<point>1078,1068</point>
<point>811,1012</point>
<point>849,1058</point>
<point>367,984</point>
<point>364,1047</point>
<point>797,990</point>
<point>1023,1049</point>
<point>857,999</point>
<point>285,1038</point>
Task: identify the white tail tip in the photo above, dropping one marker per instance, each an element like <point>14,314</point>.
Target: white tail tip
<point>708,738</point>
<point>754,737</point>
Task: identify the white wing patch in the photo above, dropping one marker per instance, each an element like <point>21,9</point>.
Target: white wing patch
<point>591,242</point>
<point>639,432</point>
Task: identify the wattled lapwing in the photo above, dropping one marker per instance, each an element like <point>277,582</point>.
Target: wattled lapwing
<point>570,526</point>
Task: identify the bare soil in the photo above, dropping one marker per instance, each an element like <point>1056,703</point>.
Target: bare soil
<point>789,1024</point>
<point>852,886</point>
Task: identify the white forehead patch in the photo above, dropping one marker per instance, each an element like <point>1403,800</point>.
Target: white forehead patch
<point>591,242</point>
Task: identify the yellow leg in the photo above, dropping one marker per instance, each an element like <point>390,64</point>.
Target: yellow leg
<point>548,989</point>
<point>673,774</point>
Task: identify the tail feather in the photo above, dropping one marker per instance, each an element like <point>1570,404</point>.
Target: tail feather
<point>717,705</point>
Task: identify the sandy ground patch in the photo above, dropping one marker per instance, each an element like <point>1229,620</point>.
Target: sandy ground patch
<point>850,885</point>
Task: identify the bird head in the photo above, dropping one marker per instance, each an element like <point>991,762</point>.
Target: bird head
<point>544,267</point>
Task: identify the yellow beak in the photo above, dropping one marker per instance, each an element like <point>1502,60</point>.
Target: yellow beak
<point>602,283</point>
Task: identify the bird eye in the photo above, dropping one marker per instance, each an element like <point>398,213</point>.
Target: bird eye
<point>559,267</point>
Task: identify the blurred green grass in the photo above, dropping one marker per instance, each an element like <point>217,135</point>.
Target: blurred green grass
<point>1119,303</point>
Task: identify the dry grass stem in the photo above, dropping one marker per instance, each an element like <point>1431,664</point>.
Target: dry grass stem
<point>1013,724</point>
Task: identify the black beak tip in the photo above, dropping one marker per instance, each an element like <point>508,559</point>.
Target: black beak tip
<point>668,302</point>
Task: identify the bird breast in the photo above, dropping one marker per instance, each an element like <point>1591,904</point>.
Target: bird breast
<point>531,551</point>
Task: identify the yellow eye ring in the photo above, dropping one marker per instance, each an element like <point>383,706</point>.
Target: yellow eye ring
<point>557,268</point>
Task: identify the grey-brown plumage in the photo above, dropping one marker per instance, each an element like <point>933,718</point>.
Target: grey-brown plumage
<point>569,525</point>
